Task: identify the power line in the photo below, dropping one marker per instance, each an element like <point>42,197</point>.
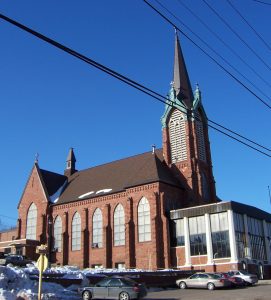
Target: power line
<point>237,34</point>
<point>117,75</point>
<point>262,2</point>
<point>251,27</point>
<point>212,49</point>
<point>206,53</point>
<point>224,43</point>
<point>239,141</point>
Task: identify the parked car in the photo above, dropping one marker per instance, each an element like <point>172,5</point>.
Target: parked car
<point>235,281</point>
<point>15,260</point>
<point>115,287</point>
<point>247,277</point>
<point>210,281</point>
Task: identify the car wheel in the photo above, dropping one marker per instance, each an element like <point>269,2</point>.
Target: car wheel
<point>182,285</point>
<point>86,295</point>
<point>124,296</point>
<point>210,286</point>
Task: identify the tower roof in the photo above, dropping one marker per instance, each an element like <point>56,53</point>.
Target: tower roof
<point>181,82</point>
<point>71,156</point>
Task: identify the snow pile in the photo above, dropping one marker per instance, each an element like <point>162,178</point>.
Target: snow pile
<point>14,282</point>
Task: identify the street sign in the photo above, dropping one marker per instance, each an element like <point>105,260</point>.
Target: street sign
<point>42,249</point>
<point>42,263</point>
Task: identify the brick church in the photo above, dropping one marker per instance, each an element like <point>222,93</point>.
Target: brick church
<point>153,210</point>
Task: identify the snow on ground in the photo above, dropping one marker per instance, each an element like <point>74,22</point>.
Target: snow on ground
<point>15,283</point>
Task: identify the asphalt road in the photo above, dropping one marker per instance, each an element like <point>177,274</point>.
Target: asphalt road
<point>257,292</point>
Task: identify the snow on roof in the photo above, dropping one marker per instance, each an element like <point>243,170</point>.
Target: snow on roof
<point>54,198</point>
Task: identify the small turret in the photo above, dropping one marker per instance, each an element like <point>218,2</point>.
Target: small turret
<point>70,164</point>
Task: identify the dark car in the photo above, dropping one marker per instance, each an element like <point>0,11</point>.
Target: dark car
<point>115,287</point>
<point>235,281</point>
<point>15,260</point>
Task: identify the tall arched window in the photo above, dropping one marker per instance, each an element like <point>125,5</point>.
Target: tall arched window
<point>31,223</point>
<point>200,137</point>
<point>97,229</point>
<point>144,220</point>
<point>119,226</point>
<point>177,137</point>
<point>76,232</point>
<point>58,234</point>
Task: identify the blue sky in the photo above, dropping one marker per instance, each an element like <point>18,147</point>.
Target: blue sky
<point>50,101</point>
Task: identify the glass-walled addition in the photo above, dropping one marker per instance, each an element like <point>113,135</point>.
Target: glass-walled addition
<point>220,235</point>
<point>240,235</point>
<point>177,231</point>
<point>197,232</point>
<point>256,234</point>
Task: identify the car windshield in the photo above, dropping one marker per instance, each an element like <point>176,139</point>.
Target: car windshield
<point>214,276</point>
<point>244,272</point>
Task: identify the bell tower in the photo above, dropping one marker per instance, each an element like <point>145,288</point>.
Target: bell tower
<point>186,147</point>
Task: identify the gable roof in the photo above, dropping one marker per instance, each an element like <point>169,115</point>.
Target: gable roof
<point>52,181</point>
<point>110,178</point>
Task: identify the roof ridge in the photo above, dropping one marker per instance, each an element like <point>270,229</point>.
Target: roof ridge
<point>114,161</point>
<point>43,170</point>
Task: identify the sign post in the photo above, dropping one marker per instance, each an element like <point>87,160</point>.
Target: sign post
<point>42,264</point>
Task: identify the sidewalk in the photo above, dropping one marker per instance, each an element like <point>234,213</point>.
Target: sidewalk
<point>264,282</point>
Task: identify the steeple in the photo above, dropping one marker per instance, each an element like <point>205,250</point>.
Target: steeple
<point>186,147</point>
<point>70,163</point>
<point>181,82</point>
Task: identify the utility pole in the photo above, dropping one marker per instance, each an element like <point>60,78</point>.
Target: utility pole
<point>269,194</point>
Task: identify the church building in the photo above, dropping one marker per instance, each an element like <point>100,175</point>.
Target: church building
<point>154,210</point>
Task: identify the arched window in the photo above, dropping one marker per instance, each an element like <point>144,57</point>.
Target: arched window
<point>58,234</point>
<point>31,223</point>
<point>144,220</point>
<point>76,232</point>
<point>97,229</point>
<point>200,137</point>
<point>177,137</point>
<point>119,226</point>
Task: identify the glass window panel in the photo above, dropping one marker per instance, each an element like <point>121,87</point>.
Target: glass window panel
<point>76,232</point>
<point>197,235</point>
<point>119,226</point>
<point>144,220</point>
<point>220,235</point>
<point>58,234</point>
<point>97,228</point>
<point>31,222</point>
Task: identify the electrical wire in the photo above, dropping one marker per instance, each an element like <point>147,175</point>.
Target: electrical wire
<point>206,53</point>
<point>237,34</point>
<point>117,75</point>
<point>212,49</point>
<point>262,2</point>
<point>224,43</point>
<point>250,26</point>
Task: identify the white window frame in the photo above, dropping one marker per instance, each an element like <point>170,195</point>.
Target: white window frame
<point>76,232</point>
<point>58,234</point>
<point>144,220</point>
<point>119,226</point>
<point>97,229</point>
<point>31,222</point>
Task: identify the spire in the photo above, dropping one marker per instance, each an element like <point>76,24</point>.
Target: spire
<point>181,80</point>
<point>70,163</point>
